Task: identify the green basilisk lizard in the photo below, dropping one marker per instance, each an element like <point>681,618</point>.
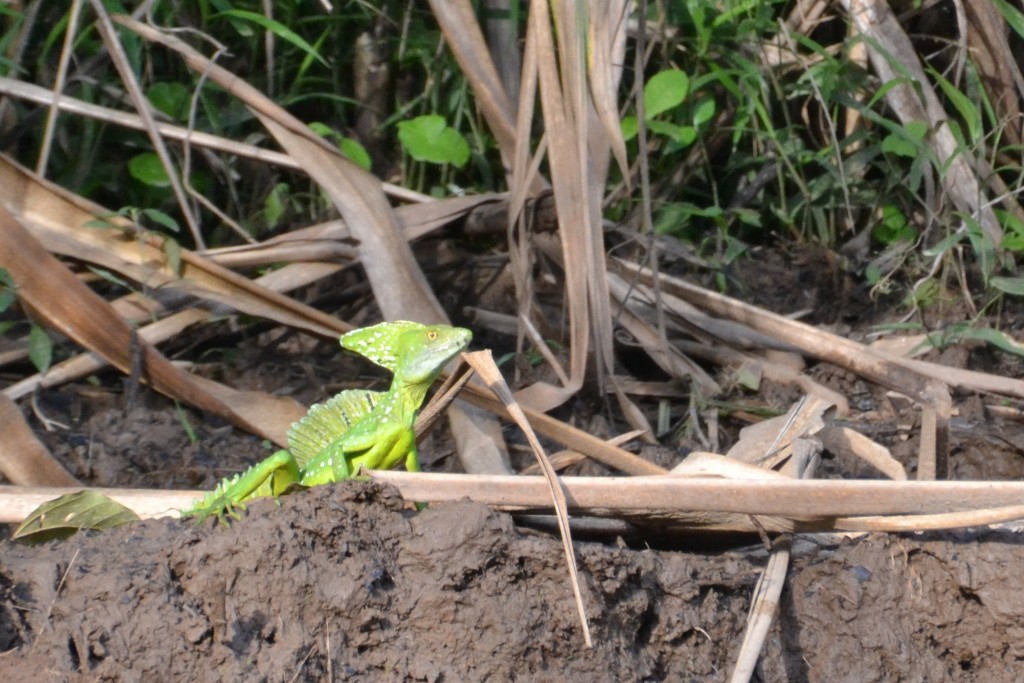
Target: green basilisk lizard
<point>356,428</point>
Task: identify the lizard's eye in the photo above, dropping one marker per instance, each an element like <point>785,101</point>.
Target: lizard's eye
<point>432,335</point>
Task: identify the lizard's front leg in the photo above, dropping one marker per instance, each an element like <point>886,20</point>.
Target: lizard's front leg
<point>392,446</point>
<point>271,476</point>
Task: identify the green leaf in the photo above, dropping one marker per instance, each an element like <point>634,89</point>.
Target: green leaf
<point>1012,15</point>
<point>944,245</point>
<point>356,153</point>
<point>1014,242</point>
<point>968,111</point>
<point>278,29</point>
<point>897,327</point>
<point>1014,229</point>
<point>995,338</point>
<point>873,274</point>
<point>322,129</point>
<point>428,138</point>
<point>161,218</point>
<point>748,376</point>
<point>916,129</point>
<point>62,517</point>
<point>665,90</point>
<point>704,111</point>
<point>147,169</point>
<point>906,140</point>
<point>110,277</point>
<point>40,348</point>
<point>274,204</point>
<point>350,148</point>
<point>684,135</point>
<point>669,130</point>
<point>894,227</point>
<point>172,252</point>
<point>894,144</point>
<point>7,290</point>
<point>734,248</point>
<point>630,127</point>
<point>171,98</point>
<point>983,246</point>
<point>186,424</point>
<point>1010,285</point>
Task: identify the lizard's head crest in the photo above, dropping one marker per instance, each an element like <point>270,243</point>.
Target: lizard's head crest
<point>412,351</point>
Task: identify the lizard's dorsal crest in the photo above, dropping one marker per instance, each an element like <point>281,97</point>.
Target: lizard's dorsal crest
<point>378,343</point>
<point>326,422</point>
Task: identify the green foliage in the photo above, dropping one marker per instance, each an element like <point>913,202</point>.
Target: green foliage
<point>1013,16</point>
<point>969,112</point>
<point>275,27</point>
<point>40,348</point>
<point>355,153</point>
<point>186,424</point>
<point>1009,285</point>
<point>1014,230</point>
<point>906,141</point>
<point>893,226</point>
<point>171,98</point>
<point>750,144</point>
<point>755,132</point>
<point>665,90</point>
<point>350,147</point>
<point>275,204</point>
<point>428,138</point>
<point>147,169</point>
<point>7,291</point>
<point>310,72</point>
<point>964,330</point>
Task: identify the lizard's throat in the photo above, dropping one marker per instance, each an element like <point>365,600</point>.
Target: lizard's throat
<point>403,404</point>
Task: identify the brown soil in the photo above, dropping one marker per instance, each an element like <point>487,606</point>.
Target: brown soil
<point>345,583</point>
<point>342,583</point>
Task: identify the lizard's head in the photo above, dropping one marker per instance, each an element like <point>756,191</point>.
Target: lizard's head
<point>414,352</point>
<point>423,353</point>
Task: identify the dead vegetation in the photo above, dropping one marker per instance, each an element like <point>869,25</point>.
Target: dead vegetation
<point>561,146</point>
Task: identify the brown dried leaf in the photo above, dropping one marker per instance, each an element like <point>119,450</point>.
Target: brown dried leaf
<point>58,297</point>
<point>65,222</point>
<point>24,460</point>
